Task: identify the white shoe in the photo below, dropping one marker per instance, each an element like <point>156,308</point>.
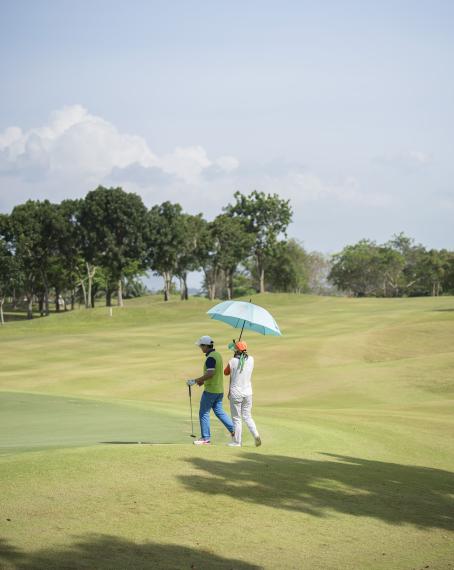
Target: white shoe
<point>234,444</point>
<point>201,441</point>
<point>258,441</point>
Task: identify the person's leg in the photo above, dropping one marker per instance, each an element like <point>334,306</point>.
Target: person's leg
<point>235,410</point>
<point>220,413</point>
<point>206,402</point>
<point>247,416</point>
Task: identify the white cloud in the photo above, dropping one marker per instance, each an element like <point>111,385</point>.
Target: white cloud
<point>406,159</point>
<point>77,145</point>
<point>303,187</point>
<point>227,163</point>
<point>186,163</point>
<point>419,156</point>
<point>75,151</point>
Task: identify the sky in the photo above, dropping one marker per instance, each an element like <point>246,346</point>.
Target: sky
<point>344,107</point>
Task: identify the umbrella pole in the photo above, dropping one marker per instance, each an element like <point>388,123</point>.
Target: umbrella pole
<point>244,322</point>
<point>242,329</point>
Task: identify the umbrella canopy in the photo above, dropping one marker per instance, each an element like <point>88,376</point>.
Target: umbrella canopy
<point>243,315</point>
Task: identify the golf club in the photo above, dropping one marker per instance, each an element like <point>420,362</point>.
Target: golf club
<point>190,405</point>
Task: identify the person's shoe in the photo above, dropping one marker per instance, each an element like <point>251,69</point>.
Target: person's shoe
<point>234,444</point>
<point>201,441</point>
<point>258,441</point>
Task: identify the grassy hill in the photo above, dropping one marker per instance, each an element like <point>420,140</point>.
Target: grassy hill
<point>354,404</point>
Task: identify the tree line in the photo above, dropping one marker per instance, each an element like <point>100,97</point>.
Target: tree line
<point>397,268</point>
<point>100,246</point>
<point>102,243</point>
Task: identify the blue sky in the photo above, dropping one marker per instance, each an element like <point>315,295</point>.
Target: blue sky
<point>346,108</point>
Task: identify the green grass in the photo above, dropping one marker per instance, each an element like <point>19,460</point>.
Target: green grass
<point>354,404</point>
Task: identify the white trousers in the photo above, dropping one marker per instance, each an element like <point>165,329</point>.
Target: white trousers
<point>240,409</point>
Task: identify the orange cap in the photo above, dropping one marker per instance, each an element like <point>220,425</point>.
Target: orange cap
<point>241,345</point>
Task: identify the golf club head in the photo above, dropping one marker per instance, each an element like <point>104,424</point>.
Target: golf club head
<point>192,435</point>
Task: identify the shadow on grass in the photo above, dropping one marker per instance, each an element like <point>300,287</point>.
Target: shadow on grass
<point>17,316</point>
<point>104,552</point>
<point>12,315</point>
<point>397,494</point>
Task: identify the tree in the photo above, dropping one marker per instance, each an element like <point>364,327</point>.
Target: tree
<point>7,273</point>
<point>288,268</point>
<point>233,244</point>
<point>357,269</point>
<point>318,268</point>
<point>189,255</point>
<point>391,264</point>
<point>166,241</point>
<point>70,245</point>
<point>434,265</point>
<point>34,230</point>
<point>207,254</point>
<point>115,230</point>
<point>448,277</point>
<point>266,217</point>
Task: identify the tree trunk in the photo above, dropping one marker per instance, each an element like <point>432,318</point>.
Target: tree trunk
<point>46,295</point>
<point>186,292</point>
<point>262,279</point>
<point>210,280</point>
<point>120,294</point>
<point>108,297</point>
<point>89,287</point>
<point>181,288</point>
<point>226,276</point>
<point>57,300</point>
<point>41,305</point>
<point>30,306</point>
<point>91,270</point>
<point>73,299</point>
<point>184,287</point>
<point>14,301</point>
<point>84,292</point>
<point>230,284</point>
<point>92,299</point>
<point>212,291</point>
<point>46,302</point>
<point>2,300</point>
<point>167,284</point>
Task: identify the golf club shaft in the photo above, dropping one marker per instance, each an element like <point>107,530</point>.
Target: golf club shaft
<point>190,405</point>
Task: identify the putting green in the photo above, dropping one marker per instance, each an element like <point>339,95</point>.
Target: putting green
<point>33,422</point>
<point>355,408</point>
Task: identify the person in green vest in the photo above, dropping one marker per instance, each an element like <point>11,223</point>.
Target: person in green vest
<point>213,381</point>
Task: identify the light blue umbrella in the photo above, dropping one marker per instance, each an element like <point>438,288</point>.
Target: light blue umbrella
<point>243,315</point>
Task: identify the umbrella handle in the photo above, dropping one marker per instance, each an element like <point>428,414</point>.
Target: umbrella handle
<point>242,329</point>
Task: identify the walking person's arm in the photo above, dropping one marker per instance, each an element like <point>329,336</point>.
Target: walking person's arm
<point>227,372</point>
<point>201,380</point>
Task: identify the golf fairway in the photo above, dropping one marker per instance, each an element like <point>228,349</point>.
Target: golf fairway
<point>354,405</point>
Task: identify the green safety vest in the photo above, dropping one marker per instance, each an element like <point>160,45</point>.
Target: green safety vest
<point>215,385</point>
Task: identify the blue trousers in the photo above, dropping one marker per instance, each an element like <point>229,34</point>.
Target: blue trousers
<point>209,402</point>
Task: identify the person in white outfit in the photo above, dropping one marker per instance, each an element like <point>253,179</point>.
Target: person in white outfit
<point>240,368</point>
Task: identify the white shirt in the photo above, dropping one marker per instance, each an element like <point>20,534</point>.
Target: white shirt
<point>240,381</point>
